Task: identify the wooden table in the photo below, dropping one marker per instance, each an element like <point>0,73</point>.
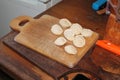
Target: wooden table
<point>78,11</point>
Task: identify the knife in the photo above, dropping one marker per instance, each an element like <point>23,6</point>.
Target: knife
<point>109,46</point>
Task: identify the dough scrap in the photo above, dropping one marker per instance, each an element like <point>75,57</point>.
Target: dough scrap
<point>65,23</point>
<point>70,49</point>
<point>79,41</point>
<point>68,33</point>
<point>60,41</point>
<point>76,28</point>
<point>56,29</point>
<point>87,32</point>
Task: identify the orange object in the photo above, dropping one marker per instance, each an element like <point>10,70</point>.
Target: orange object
<point>109,46</point>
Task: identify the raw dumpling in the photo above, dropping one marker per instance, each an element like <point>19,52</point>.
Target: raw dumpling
<point>60,41</point>
<point>56,29</point>
<point>87,32</point>
<point>68,33</point>
<point>76,28</point>
<point>65,23</point>
<point>79,41</point>
<point>70,49</point>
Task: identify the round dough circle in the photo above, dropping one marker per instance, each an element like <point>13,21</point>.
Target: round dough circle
<point>60,41</point>
<point>65,23</point>
<point>70,49</point>
<point>76,28</point>
<point>79,41</point>
<point>87,32</point>
<point>56,29</point>
<point>68,33</point>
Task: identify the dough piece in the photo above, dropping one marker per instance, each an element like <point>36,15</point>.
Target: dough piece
<point>60,41</point>
<point>70,49</point>
<point>87,32</point>
<point>76,28</point>
<point>68,33</point>
<point>65,23</point>
<point>56,29</point>
<point>79,41</point>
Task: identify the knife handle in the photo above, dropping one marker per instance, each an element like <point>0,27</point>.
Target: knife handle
<point>109,46</point>
<point>97,4</point>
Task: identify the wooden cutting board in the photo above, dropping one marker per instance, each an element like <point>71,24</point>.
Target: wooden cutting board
<point>36,35</point>
<point>47,65</point>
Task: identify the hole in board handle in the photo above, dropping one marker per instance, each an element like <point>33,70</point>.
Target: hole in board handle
<point>80,77</point>
<point>22,23</point>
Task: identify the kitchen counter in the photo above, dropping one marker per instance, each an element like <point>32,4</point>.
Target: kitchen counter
<point>79,11</point>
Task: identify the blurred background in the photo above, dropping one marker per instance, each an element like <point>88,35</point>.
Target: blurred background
<point>10,9</point>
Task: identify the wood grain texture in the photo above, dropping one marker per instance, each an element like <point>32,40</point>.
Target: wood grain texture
<point>37,35</point>
<point>57,70</point>
<point>51,67</point>
<point>79,11</point>
<point>18,67</point>
<point>113,30</point>
<point>107,60</point>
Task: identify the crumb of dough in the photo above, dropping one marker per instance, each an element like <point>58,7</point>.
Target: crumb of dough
<point>70,49</point>
<point>68,33</point>
<point>76,28</point>
<point>60,41</point>
<point>65,23</point>
<point>79,41</point>
<point>56,29</point>
<point>87,32</point>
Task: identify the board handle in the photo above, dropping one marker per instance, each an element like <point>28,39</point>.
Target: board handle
<point>19,22</point>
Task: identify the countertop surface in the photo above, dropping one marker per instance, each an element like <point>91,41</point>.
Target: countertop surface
<point>79,11</point>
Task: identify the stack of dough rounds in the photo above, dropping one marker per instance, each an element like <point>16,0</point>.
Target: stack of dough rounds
<point>70,49</point>
<point>56,29</point>
<point>69,34</point>
<point>76,28</point>
<point>79,41</point>
<point>87,32</point>
<point>60,41</point>
<point>65,23</point>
